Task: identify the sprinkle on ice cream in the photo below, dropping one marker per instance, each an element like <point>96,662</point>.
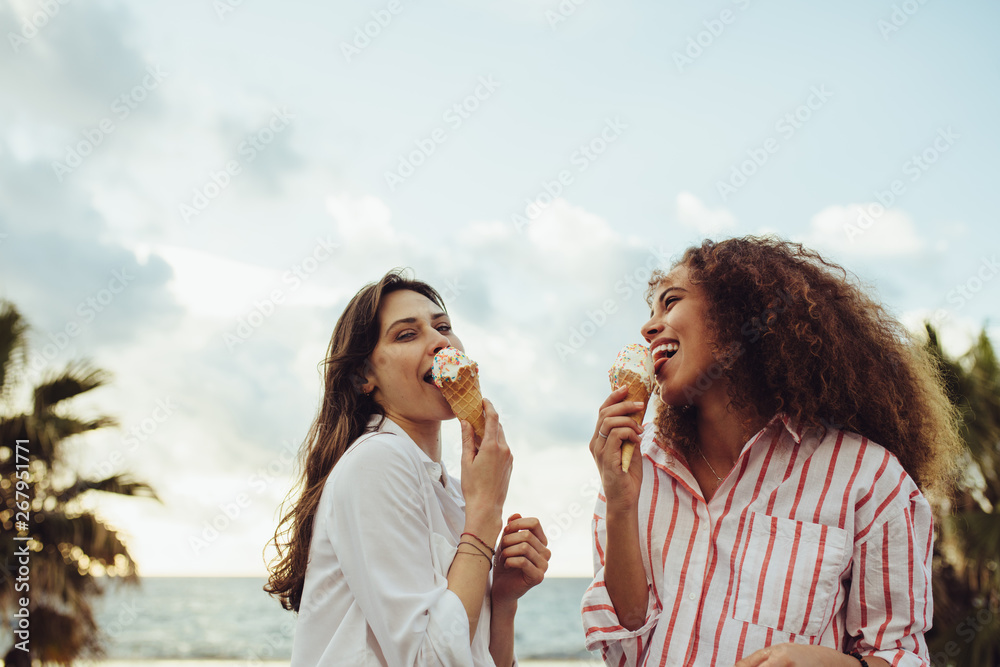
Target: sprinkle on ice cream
<point>448,362</point>
<point>633,357</point>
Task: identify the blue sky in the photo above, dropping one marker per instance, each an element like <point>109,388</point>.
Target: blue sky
<point>281,138</point>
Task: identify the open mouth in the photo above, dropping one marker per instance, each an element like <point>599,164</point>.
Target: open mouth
<point>663,352</point>
<point>429,377</point>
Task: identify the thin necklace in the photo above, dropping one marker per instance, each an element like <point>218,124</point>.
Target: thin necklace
<point>710,466</point>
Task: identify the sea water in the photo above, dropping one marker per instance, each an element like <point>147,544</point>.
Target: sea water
<point>233,619</point>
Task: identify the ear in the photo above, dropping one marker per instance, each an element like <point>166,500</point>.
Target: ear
<point>365,380</point>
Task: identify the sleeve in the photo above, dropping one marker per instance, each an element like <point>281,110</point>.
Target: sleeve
<point>381,532</point>
<point>890,603</point>
<point>618,646</point>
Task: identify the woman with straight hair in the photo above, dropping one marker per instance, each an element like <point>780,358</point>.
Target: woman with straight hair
<point>777,516</point>
<point>387,558</point>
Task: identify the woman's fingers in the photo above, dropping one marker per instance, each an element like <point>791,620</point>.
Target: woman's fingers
<point>755,659</point>
<point>468,442</point>
<point>620,414</point>
<point>533,575</point>
<point>532,535</point>
<point>490,433</point>
<point>618,430</point>
<point>524,552</point>
<point>516,523</point>
<point>624,408</point>
<point>614,397</point>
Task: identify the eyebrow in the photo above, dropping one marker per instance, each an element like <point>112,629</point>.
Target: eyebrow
<point>413,320</point>
<point>664,293</point>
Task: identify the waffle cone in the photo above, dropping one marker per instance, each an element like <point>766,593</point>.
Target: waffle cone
<point>466,400</point>
<point>637,391</point>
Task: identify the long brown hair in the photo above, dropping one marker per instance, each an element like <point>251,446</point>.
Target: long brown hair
<point>343,417</point>
<point>795,335</point>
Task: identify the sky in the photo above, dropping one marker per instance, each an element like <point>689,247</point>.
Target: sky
<point>190,193</point>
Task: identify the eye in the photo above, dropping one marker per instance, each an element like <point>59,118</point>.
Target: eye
<point>405,335</point>
<point>444,328</point>
<point>670,300</point>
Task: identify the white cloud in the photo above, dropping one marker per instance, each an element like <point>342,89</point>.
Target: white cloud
<point>517,297</point>
<point>361,218</point>
<point>864,230</point>
<point>691,212</point>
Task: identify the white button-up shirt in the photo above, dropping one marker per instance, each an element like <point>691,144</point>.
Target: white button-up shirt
<point>385,533</point>
<point>815,537</point>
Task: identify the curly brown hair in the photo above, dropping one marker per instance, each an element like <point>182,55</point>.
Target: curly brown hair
<point>794,334</point>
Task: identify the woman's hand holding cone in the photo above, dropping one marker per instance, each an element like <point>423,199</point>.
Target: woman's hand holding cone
<point>616,422</point>
<point>486,468</point>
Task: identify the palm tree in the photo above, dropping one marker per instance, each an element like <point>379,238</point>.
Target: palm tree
<point>70,551</point>
<point>966,629</point>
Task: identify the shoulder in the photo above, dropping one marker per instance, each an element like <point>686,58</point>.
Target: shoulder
<point>871,464</point>
<point>382,463</point>
<point>880,487</point>
<point>378,448</point>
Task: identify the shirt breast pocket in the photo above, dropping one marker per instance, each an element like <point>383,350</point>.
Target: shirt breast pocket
<point>788,572</point>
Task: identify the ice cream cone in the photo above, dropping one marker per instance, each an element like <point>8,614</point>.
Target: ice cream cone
<point>633,368</point>
<point>637,391</point>
<point>466,399</point>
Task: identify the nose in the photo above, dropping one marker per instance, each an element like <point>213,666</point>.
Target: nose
<point>651,329</point>
<point>440,342</point>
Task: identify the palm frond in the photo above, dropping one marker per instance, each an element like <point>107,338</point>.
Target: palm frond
<point>95,539</point>
<point>13,329</point>
<point>121,484</point>
<point>76,379</point>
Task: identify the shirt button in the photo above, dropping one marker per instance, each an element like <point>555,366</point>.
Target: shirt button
<point>691,596</point>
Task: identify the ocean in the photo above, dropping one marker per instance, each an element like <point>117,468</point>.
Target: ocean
<point>233,620</point>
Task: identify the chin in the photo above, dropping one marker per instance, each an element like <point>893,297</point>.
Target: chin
<point>675,399</point>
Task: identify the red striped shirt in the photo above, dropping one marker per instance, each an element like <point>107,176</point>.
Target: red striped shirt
<point>815,537</point>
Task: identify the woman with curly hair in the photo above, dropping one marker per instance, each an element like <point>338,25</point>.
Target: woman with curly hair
<point>778,516</point>
<point>387,558</point>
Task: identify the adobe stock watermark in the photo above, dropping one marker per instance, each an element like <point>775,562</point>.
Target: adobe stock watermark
<point>88,310</point>
<point>914,168</point>
<point>786,127</point>
<point>121,107</point>
<point>595,320</point>
<point>899,17</point>
<point>585,155</point>
<point>560,523</point>
<point>273,645</point>
<point>20,620</point>
<point>32,25</point>
<point>703,40</point>
<point>368,32</point>
<point>452,289</point>
<point>229,512</point>
<point>454,116</point>
<point>753,330</point>
<point>970,626</point>
<point>128,614</point>
<point>294,278</point>
<point>248,150</point>
<point>562,12</point>
<point>224,8</point>
<point>964,292</point>
<point>138,433</point>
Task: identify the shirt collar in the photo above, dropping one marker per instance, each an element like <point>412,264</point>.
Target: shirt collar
<point>791,424</point>
<point>436,471</point>
<point>658,453</point>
